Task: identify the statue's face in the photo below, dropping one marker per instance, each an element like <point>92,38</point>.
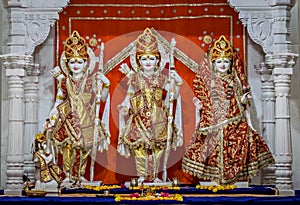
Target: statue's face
<point>43,145</point>
<point>148,62</point>
<point>222,64</point>
<point>76,65</point>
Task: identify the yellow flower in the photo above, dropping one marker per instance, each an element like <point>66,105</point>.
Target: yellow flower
<point>215,189</point>
<point>117,197</point>
<point>178,197</point>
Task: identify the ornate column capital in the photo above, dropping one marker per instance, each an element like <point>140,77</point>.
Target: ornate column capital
<point>36,16</point>
<point>281,2</point>
<point>281,60</point>
<point>265,21</point>
<point>264,71</point>
<point>256,16</point>
<point>15,65</point>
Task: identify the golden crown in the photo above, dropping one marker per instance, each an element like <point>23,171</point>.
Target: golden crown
<point>221,49</point>
<point>40,137</point>
<point>146,44</point>
<point>75,47</point>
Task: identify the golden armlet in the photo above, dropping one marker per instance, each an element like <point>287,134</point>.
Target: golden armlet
<point>53,118</point>
<point>179,84</point>
<point>106,85</point>
<point>60,97</point>
<point>57,74</point>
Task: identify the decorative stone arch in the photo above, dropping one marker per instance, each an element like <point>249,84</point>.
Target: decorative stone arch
<point>267,22</point>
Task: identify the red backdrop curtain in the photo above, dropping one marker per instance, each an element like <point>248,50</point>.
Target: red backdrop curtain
<point>194,24</point>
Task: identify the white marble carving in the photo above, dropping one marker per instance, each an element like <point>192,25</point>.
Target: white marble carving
<point>29,25</point>
<point>281,59</point>
<point>267,23</point>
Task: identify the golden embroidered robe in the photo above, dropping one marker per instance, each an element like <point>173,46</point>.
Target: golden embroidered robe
<point>145,132</point>
<point>74,130</point>
<point>49,171</point>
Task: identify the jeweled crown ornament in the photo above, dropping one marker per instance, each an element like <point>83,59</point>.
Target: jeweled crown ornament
<point>75,47</point>
<point>40,137</point>
<point>146,44</point>
<point>221,49</point>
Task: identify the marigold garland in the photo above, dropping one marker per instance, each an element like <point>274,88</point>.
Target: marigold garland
<point>148,196</point>
<point>154,188</point>
<point>217,187</point>
<point>103,187</point>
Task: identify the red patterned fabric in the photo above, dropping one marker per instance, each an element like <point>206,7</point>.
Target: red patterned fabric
<point>224,148</point>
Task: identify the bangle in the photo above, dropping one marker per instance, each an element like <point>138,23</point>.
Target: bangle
<point>60,97</point>
<point>106,85</point>
<point>57,74</point>
<point>179,84</point>
<point>130,94</point>
<point>53,118</point>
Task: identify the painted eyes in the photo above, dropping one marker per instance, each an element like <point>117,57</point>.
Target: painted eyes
<point>150,58</point>
<point>224,61</point>
<point>73,61</point>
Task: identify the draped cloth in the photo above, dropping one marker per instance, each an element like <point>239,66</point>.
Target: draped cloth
<point>74,132</point>
<point>225,148</point>
<point>48,171</point>
<point>145,133</point>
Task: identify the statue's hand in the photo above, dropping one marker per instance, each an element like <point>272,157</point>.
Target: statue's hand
<point>175,76</point>
<point>178,142</point>
<point>123,109</point>
<point>103,78</point>
<point>53,117</point>
<point>47,125</point>
<point>103,144</point>
<point>246,97</point>
<point>56,72</point>
<point>197,103</point>
<point>124,68</point>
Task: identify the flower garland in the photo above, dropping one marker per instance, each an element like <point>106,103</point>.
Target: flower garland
<point>149,196</point>
<point>154,188</point>
<point>217,187</point>
<point>103,187</point>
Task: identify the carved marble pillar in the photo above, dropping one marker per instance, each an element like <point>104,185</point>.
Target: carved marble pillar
<point>268,118</point>
<point>29,25</point>
<point>31,116</point>
<point>282,59</point>
<point>14,63</point>
<point>283,141</point>
<point>14,67</point>
<point>268,25</point>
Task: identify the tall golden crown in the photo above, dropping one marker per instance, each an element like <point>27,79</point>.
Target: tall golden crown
<point>39,138</point>
<point>146,44</point>
<point>221,49</point>
<point>75,47</point>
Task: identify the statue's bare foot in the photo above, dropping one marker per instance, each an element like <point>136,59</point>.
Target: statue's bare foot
<point>157,180</point>
<point>83,179</point>
<point>76,184</point>
<point>66,180</point>
<point>141,179</point>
